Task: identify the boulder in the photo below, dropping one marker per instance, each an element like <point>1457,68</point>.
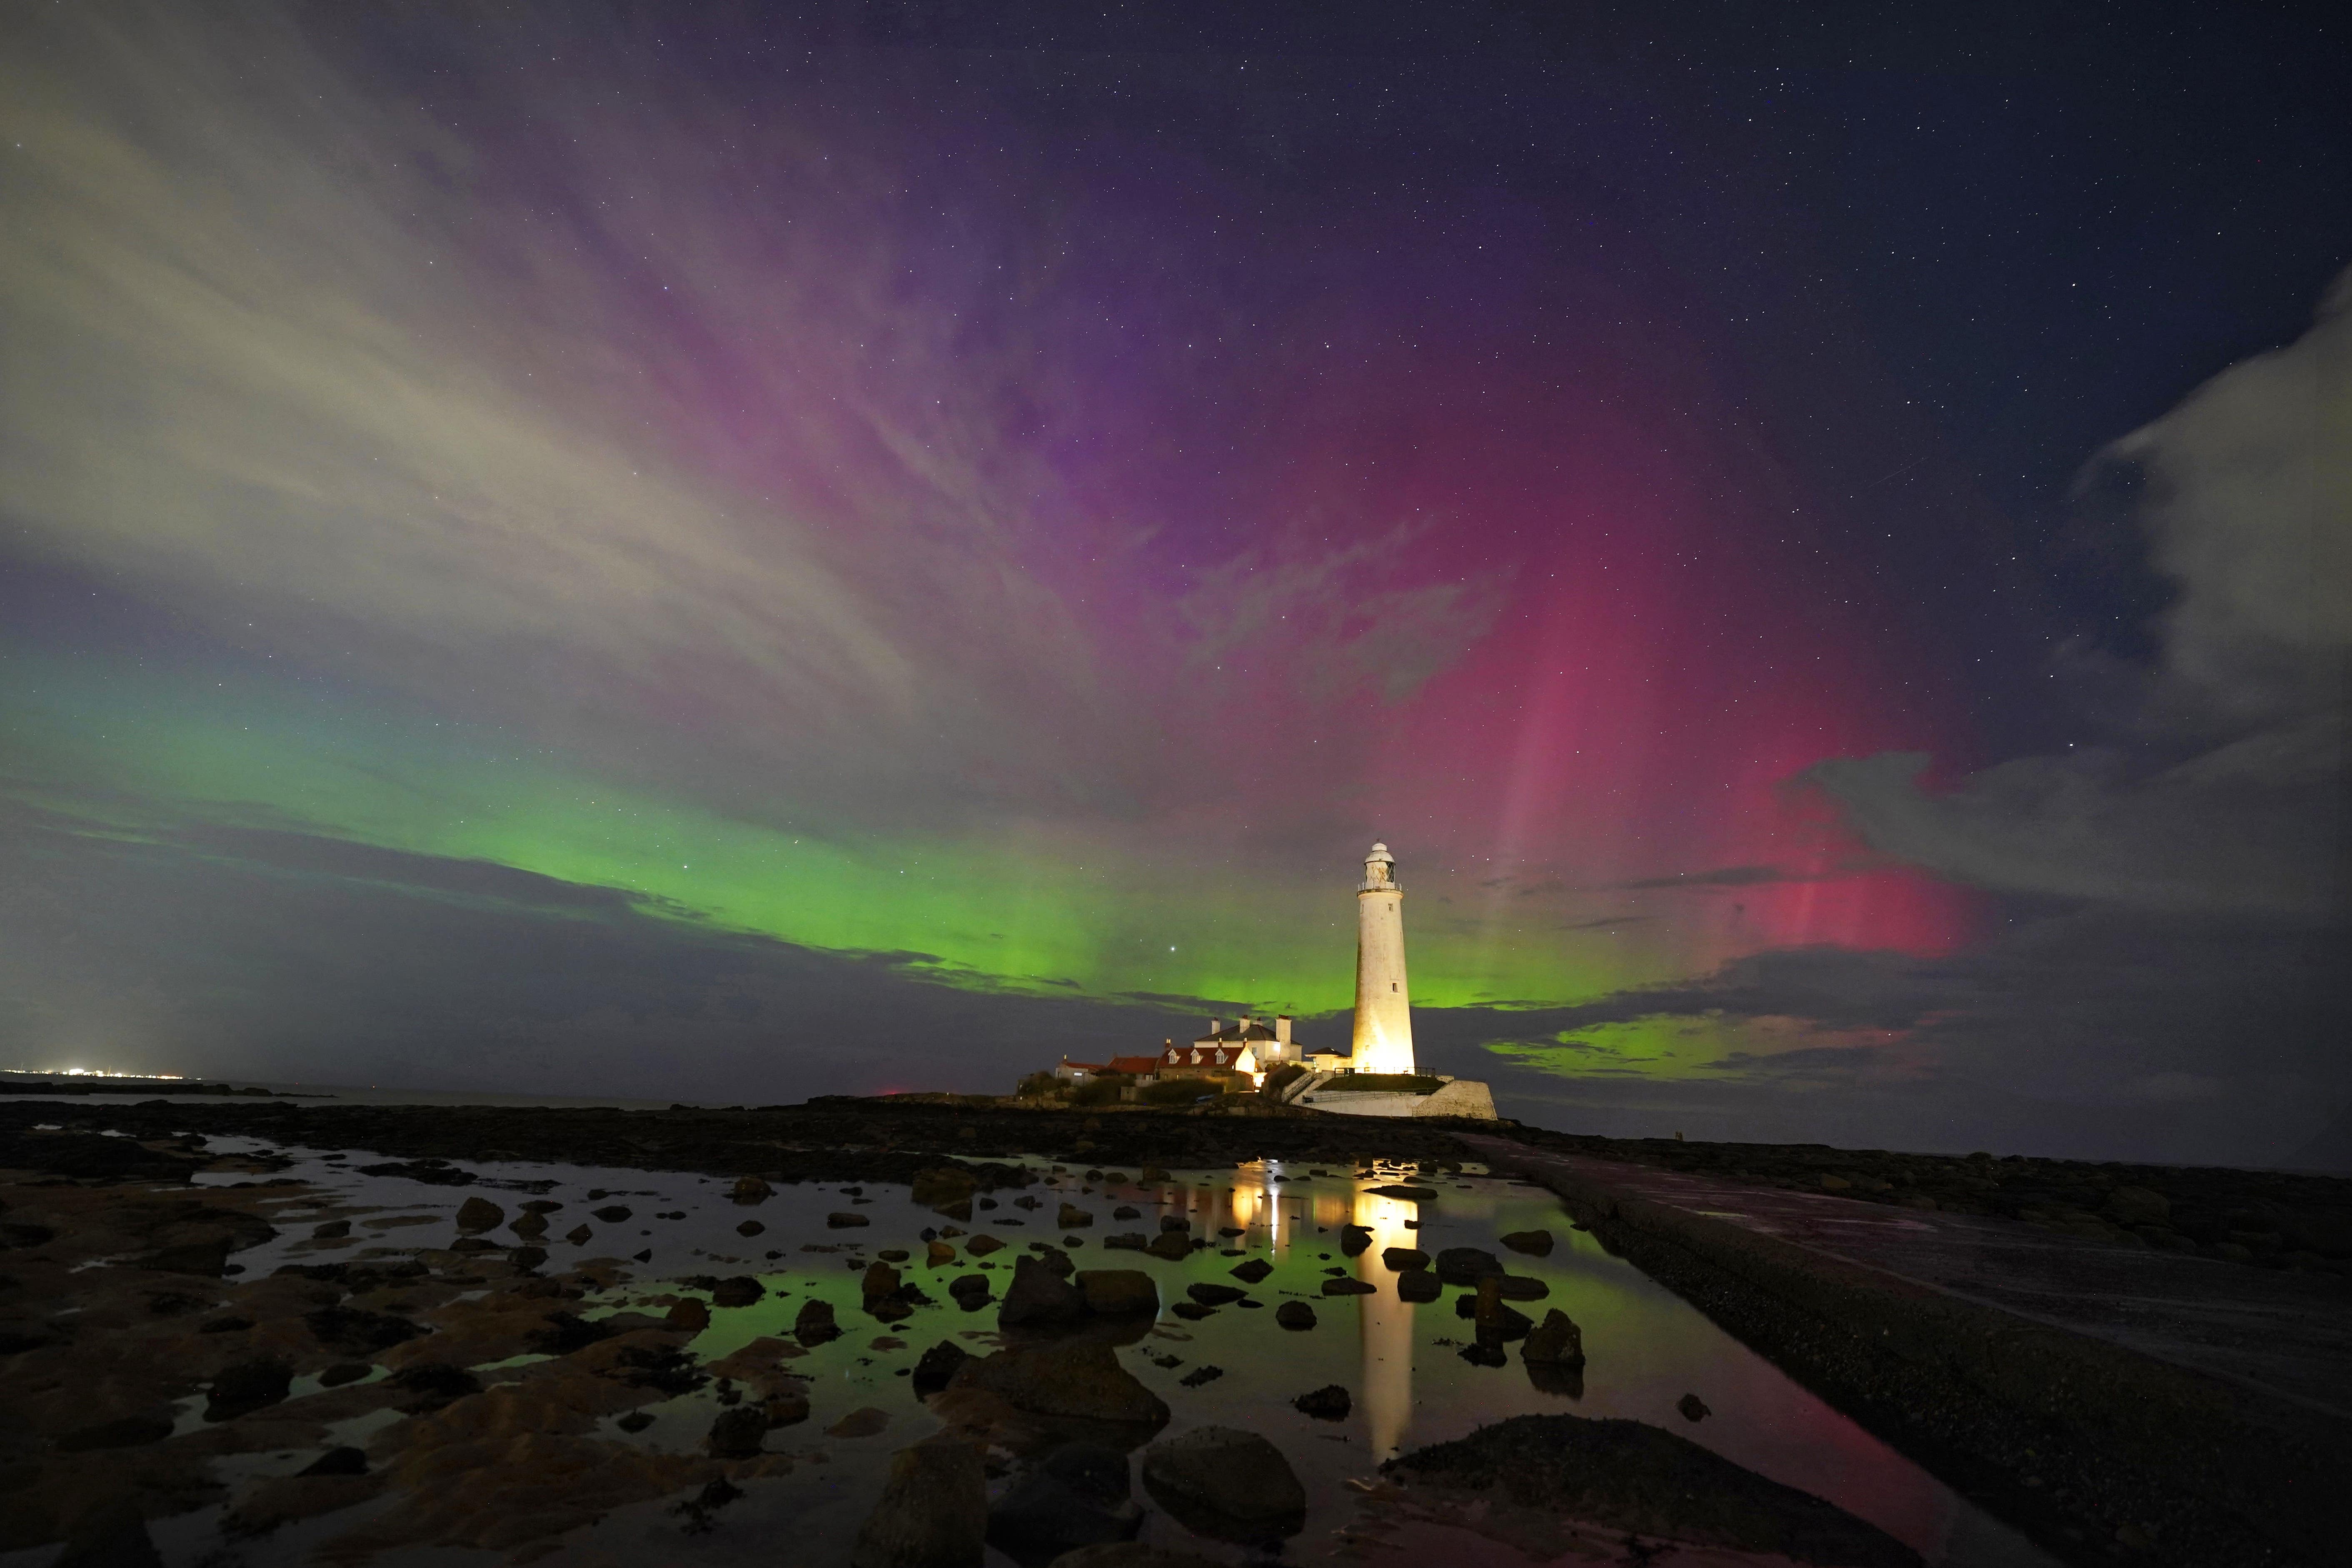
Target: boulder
<point>843,1219</point>
<point>938,1367</point>
<point>530,1227</point>
<point>933,1512</point>
<point>1175,1222</point>
<point>1038,1296</point>
<point>1410,1195</point>
<point>737,1291</point>
<point>1127,1241</point>
<point>1083,1382</point>
<point>1354,1238</point>
<point>1556,1341</point>
<point>1466,1264</point>
<point>939,1255</point>
<point>693,1315</point>
<point>969,1290</point>
<point>750,1190</point>
<point>737,1433</point>
<point>1127,1211</point>
<point>1326,1403</point>
<point>1692,1407</point>
<point>1419,1285</point>
<point>1174,1246</point>
<point>1225,1483</point>
<point>1401,1258</point>
<point>881,1283</point>
<point>1294,1315</point>
<point>1252,1272</point>
<point>1518,1286</point>
<point>1215,1295</point>
<point>1073,1218</point>
<point>1535,1243</point>
<point>1344,1287</point>
<point>981,1245</point>
<point>611,1213</point>
<point>246,1387</point>
<point>749,1227</point>
<point>1111,1292</point>
<point>814,1325</point>
<point>479,1213</point>
<point>1076,1496</point>
<point>578,1234</point>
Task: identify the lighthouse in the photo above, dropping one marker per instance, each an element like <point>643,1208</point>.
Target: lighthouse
<point>1384,1040</point>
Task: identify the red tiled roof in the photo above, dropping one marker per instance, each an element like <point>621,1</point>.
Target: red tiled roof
<point>1136,1065</point>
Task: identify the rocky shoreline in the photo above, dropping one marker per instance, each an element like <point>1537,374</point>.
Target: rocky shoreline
<point>103,1360</point>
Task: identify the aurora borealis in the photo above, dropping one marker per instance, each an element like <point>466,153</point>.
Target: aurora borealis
<point>717,554</point>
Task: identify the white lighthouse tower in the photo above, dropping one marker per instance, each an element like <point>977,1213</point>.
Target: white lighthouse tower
<point>1384,1040</point>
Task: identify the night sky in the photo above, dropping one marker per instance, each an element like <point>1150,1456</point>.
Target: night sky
<point>728,554</point>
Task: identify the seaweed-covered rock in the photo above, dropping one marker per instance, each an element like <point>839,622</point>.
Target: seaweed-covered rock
<point>1400,1259</point>
<point>1625,1475</point>
<point>1419,1285</point>
<point>1253,1272</point>
<point>1535,1243</point>
<point>1294,1315</point>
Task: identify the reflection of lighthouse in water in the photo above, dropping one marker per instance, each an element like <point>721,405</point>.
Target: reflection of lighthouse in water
<point>1387,1324</point>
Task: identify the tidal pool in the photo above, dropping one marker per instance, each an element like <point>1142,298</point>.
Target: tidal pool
<point>1401,1364</point>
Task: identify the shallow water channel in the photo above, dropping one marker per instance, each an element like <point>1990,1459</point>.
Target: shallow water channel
<point>1401,1364</point>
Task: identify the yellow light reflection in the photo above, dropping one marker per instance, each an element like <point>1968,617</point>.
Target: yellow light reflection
<point>1387,1324</point>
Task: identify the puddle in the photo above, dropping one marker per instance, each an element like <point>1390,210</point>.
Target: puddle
<point>1401,1362</point>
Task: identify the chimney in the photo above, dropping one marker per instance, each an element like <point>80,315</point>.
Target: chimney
<point>1213,1029</point>
<point>1282,1028</point>
<point>1246,1020</point>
